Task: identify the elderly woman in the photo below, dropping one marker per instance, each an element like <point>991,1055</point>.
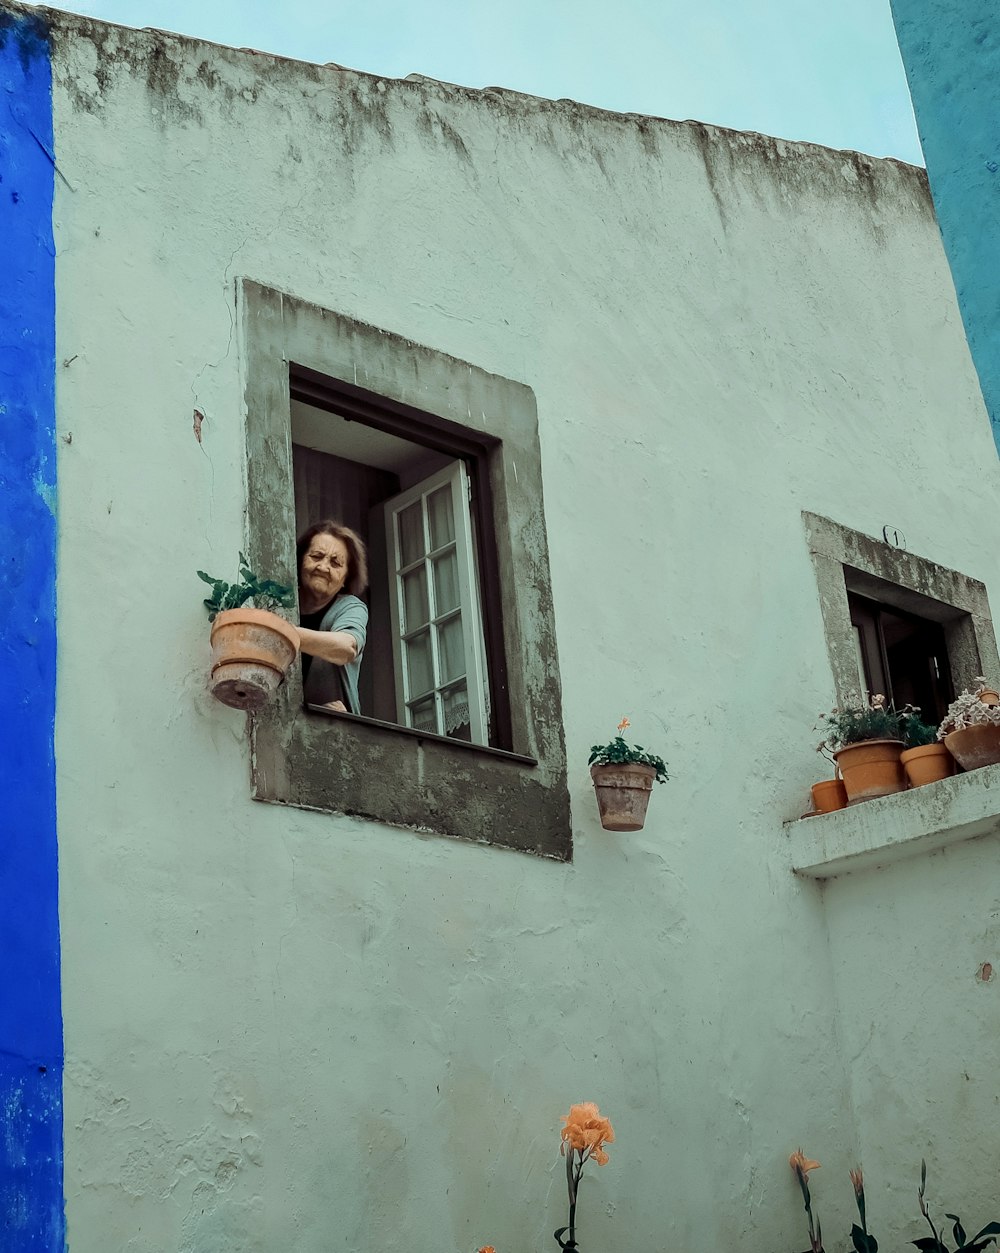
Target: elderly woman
<point>333,571</point>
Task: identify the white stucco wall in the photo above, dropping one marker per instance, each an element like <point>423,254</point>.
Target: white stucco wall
<point>289,1030</point>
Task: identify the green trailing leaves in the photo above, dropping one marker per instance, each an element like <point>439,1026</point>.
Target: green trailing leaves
<point>265,593</point>
<point>618,753</point>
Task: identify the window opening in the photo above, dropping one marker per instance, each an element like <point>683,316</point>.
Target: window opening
<point>398,483</point>
<point>901,655</point>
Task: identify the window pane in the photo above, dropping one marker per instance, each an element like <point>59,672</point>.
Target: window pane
<point>455,706</point>
<point>418,664</point>
<point>440,515</point>
<point>415,599</point>
<point>411,533</point>
<point>451,649</point>
<point>445,583</point>
<point>423,716</point>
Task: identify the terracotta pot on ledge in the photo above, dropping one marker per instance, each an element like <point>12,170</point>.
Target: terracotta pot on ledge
<point>623,795</point>
<point>870,769</point>
<point>927,763</point>
<point>975,747</point>
<point>829,796</point>
<point>252,650</point>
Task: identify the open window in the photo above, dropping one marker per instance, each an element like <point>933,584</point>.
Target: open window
<point>896,623</point>
<point>421,500</point>
<point>437,632</point>
<point>425,657</point>
<point>436,463</point>
<point>901,655</point>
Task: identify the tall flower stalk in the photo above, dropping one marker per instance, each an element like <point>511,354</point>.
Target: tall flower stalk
<point>863,1242</point>
<point>584,1135</point>
<point>802,1165</point>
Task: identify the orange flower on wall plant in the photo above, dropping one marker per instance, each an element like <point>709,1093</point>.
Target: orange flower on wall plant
<point>487,1248</point>
<point>584,1134</point>
<point>587,1131</point>
<point>802,1165</point>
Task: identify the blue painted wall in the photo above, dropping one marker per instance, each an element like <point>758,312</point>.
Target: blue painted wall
<point>951,50</point>
<point>31,1050</point>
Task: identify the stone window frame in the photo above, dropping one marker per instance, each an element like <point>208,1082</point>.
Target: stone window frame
<point>516,797</point>
<point>850,561</point>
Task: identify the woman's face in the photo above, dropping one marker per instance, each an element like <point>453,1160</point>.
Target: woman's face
<point>324,567</point>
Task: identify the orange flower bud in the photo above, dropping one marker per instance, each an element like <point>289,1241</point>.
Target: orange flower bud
<point>801,1164</point>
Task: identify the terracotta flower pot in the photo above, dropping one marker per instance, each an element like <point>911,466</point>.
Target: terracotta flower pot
<point>623,795</point>
<point>871,768</point>
<point>975,747</point>
<point>251,652</point>
<point>927,764</point>
<point>829,796</point>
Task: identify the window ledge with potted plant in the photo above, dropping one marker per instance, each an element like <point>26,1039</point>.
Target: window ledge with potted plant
<point>918,804</point>
<point>891,828</point>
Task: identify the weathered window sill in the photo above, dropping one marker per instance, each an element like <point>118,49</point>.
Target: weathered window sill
<point>880,832</point>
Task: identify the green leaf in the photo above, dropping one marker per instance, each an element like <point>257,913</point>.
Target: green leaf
<point>863,1241</point>
<point>991,1229</point>
<point>207,578</point>
<point>958,1230</point>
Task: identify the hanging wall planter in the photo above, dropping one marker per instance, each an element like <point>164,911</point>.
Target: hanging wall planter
<point>622,795</point>
<point>252,648</point>
<point>623,777</point>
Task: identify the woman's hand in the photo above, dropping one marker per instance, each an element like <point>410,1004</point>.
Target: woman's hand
<point>337,706</point>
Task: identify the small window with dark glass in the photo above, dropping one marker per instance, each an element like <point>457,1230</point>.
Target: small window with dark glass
<point>901,655</point>
<point>414,493</point>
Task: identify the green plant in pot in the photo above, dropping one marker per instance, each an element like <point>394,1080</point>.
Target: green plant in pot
<point>865,739</point>
<point>252,648</point>
<point>925,759</point>
<point>623,776</point>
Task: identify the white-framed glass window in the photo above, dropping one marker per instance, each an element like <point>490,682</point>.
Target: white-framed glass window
<point>434,605</point>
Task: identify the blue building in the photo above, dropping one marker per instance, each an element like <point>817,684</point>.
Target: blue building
<point>951,50</point>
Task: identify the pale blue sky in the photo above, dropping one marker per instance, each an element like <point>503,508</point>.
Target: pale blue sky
<point>818,70</point>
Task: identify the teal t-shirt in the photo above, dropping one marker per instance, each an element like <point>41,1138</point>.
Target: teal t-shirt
<point>323,681</point>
